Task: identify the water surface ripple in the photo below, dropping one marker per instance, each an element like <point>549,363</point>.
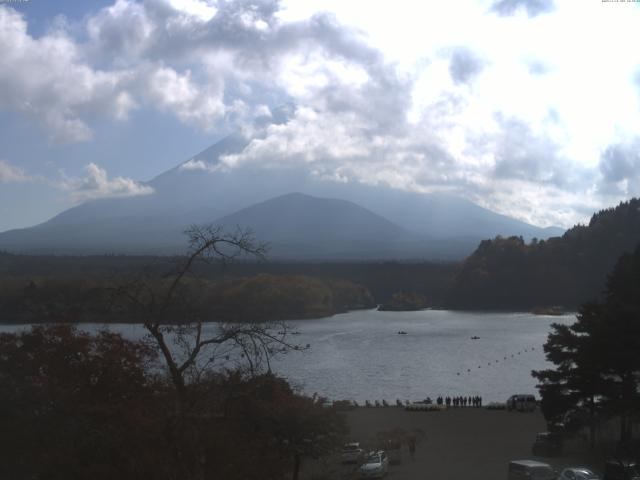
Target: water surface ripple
<point>360,356</point>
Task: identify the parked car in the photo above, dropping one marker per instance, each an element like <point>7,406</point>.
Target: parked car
<point>522,403</point>
<point>578,473</point>
<point>376,465</point>
<point>547,444</point>
<point>530,470</point>
<point>351,452</point>
<point>621,470</point>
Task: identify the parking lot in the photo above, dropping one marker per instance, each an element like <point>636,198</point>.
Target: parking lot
<point>452,444</point>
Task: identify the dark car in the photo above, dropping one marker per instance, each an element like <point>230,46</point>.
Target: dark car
<point>547,444</point>
<point>621,470</point>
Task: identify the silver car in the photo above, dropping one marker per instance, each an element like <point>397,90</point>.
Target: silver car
<point>376,465</point>
<point>578,473</point>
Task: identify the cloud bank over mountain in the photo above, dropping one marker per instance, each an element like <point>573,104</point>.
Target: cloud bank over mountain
<point>500,105</point>
<point>11,173</point>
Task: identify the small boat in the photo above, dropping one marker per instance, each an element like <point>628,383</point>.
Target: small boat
<point>475,337</point>
<point>402,332</point>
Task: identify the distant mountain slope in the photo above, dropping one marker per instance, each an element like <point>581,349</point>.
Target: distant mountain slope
<point>507,273</point>
<point>300,217</point>
<point>298,225</point>
<point>196,191</point>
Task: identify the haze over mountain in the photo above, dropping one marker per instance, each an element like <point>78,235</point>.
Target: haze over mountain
<point>344,220</point>
<point>302,226</point>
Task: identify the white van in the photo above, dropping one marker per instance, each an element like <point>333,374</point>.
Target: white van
<point>530,470</point>
<point>522,403</point>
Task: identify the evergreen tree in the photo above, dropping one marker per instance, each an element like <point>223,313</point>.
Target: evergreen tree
<point>597,366</point>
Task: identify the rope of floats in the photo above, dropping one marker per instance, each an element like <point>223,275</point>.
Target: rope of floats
<point>496,362</point>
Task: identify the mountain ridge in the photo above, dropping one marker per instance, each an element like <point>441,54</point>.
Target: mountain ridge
<point>184,196</point>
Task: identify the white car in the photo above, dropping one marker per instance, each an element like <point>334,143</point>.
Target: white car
<point>578,473</point>
<point>376,465</point>
<point>522,403</point>
<point>351,453</point>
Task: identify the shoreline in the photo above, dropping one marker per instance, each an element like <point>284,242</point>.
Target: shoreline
<point>326,317</point>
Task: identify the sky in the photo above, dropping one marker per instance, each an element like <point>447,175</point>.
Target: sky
<point>530,108</point>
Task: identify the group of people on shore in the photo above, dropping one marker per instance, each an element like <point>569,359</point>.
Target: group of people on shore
<point>458,401</point>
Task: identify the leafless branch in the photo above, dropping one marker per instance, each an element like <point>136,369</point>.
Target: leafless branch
<point>158,311</point>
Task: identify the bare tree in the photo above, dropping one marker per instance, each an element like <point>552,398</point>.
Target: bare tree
<point>191,347</point>
<point>188,345</point>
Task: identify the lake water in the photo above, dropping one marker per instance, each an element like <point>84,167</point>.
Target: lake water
<point>360,355</point>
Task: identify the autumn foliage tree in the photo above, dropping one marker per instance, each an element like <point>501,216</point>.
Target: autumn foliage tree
<point>74,405</point>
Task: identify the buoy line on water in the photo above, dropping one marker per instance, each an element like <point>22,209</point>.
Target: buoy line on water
<point>497,362</point>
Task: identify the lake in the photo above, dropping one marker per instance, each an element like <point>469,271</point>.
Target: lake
<point>360,356</point>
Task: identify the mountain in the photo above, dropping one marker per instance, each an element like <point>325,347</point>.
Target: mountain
<point>301,226</point>
<point>198,191</point>
<point>508,273</point>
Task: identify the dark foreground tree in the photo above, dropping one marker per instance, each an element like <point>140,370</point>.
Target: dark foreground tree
<point>74,405</point>
<point>274,429</point>
<point>597,363</point>
<point>578,380</point>
<point>78,406</point>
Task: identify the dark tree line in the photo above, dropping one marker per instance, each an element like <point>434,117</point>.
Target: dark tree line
<point>261,297</point>
<point>509,273</point>
<point>597,361</point>
<point>83,273</point>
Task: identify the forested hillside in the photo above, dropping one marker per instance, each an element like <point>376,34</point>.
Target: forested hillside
<point>508,273</point>
<point>258,298</point>
<point>382,279</point>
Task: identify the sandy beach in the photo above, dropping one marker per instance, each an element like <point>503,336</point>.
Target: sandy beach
<point>453,444</point>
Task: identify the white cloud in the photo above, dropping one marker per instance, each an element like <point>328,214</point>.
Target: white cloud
<point>199,105</point>
<point>513,92</point>
<point>203,10</point>
<point>96,184</point>
<point>196,165</point>
<point>620,169</point>
<point>47,80</point>
<point>10,173</point>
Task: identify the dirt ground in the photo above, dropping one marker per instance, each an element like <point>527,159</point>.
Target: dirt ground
<point>459,443</point>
